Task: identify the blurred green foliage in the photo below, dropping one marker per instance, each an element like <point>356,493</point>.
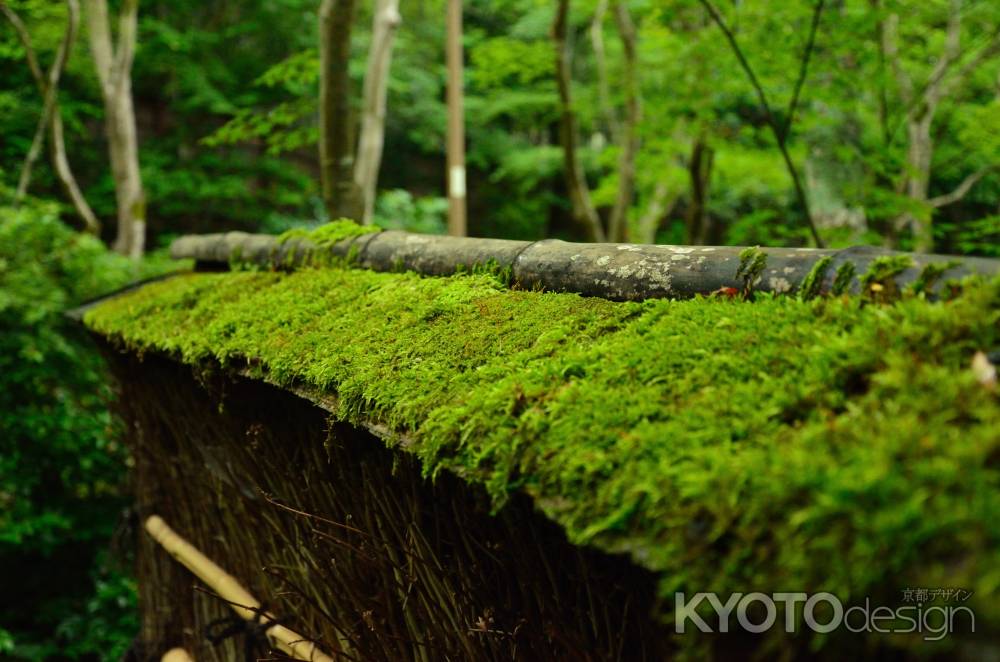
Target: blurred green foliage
<point>399,210</point>
<point>226,98</point>
<point>61,465</point>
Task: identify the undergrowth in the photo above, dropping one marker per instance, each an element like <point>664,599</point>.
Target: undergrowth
<point>832,445</point>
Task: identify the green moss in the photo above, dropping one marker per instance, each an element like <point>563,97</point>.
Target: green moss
<point>329,233</point>
<point>237,263</point>
<point>753,261</point>
<point>812,284</point>
<point>782,445</point>
<point>879,282</point>
<point>931,274</point>
<point>320,237</point>
<point>842,279</point>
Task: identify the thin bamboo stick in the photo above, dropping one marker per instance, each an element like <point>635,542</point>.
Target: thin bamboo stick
<point>242,602</point>
<point>176,655</point>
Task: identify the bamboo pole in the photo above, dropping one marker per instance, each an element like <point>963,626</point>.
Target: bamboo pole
<point>457,226</point>
<point>176,655</point>
<point>619,272</point>
<point>242,602</point>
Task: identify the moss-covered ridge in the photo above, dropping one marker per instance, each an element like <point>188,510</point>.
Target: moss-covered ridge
<point>619,272</point>
<point>829,445</point>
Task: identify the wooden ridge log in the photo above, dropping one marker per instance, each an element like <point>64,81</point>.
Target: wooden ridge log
<point>613,271</point>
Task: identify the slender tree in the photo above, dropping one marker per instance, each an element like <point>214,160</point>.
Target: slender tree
<point>780,130</point>
<point>611,124</point>
<point>582,208</point>
<point>51,119</point>
<point>618,221</point>
<point>385,23</point>
<point>113,62</point>
<point>696,222</point>
<point>952,68</point>
<point>624,130</point>
<point>661,202</point>
<point>457,224</point>
<point>341,193</point>
<point>50,91</point>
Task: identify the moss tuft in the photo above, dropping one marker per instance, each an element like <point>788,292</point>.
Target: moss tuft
<point>879,282</point>
<point>329,233</point>
<point>812,284</point>
<point>842,279</point>
<point>753,261</point>
<point>930,275</point>
<point>323,236</point>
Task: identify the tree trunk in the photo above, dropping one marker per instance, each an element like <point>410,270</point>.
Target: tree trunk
<point>57,152</point>
<point>919,152</point>
<point>696,227</point>
<point>384,24</point>
<point>584,214</point>
<point>50,92</point>
<point>457,220</point>
<point>114,71</point>
<point>781,131</point>
<point>920,110</point>
<point>341,194</point>
<point>618,223</point>
<point>129,195</point>
<point>601,62</point>
<point>57,144</point>
<point>660,204</point>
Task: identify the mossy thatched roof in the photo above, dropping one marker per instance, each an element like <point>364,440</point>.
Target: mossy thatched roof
<point>836,444</point>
